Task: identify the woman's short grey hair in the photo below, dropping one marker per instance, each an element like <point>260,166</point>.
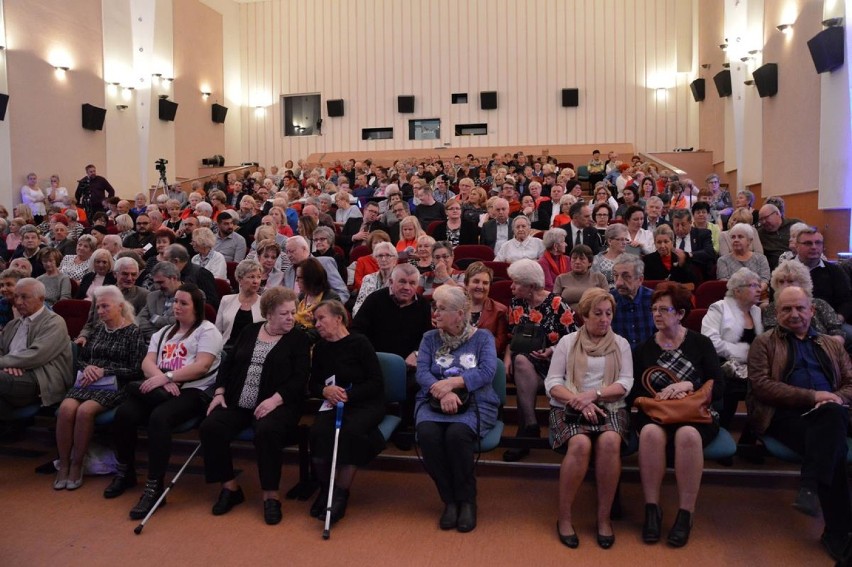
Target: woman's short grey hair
<point>553,237</point>
<point>748,195</point>
<point>326,232</point>
<point>123,222</point>
<point>89,240</point>
<point>71,214</point>
<point>568,199</point>
<point>103,252</point>
<point>664,230</point>
<point>204,221</point>
<point>615,231</point>
<point>746,230</point>
<point>527,272</point>
<point>741,278</point>
<point>124,261</point>
<point>633,260</point>
<point>112,293</point>
<point>204,237</point>
<point>382,248</point>
<point>793,270</point>
<point>425,239</point>
<point>453,297</point>
<point>519,218</point>
<point>246,267</point>
<point>797,228</point>
<point>204,208</point>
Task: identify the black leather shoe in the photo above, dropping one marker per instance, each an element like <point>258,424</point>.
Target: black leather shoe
<point>571,541</point>
<point>837,546</point>
<point>338,504</point>
<point>605,541</point>
<point>807,502</point>
<point>272,511</point>
<point>450,517</point>
<point>125,478</point>
<point>653,521</point>
<point>227,500</point>
<point>679,534</point>
<point>153,491</point>
<point>514,455</point>
<point>318,507</point>
<point>467,517</point>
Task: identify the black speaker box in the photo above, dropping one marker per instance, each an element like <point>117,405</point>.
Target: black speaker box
<point>722,79</point>
<point>488,100</point>
<point>4,103</point>
<point>766,80</point>
<point>168,109</point>
<point>570,97</point>
<point>827,49</point>
<point>218,113</point>
<point>697,88</point>
<point>335,107</point>
<point>405,104</point>
<point>93,117</point>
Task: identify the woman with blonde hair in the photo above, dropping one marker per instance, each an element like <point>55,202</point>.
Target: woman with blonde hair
<point>409,231</point>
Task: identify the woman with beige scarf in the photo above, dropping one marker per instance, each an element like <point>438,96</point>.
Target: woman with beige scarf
<point>591,372</point>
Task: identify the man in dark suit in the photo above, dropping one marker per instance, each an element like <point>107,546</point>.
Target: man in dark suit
<point>356,230</point>
<point>695,243</point>
<point>192,273</point>
<point>498,230</point>
<point>546,207</point>
<point>580,229</point>
<point>654,214</point>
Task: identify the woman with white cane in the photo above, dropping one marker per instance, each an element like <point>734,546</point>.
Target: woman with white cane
<point>344,369</point>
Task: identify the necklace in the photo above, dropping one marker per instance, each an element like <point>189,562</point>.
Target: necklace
<point>669,344</point>
<point>268,332</point>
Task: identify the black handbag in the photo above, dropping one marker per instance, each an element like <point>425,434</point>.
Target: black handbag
<point>527,337</point>
<point>464,397</point>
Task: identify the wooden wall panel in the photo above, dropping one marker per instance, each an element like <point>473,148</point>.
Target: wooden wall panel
<point>368,52</point>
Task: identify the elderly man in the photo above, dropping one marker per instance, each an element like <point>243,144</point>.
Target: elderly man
<point>249,218</point>
<point>298,250</point>
<point>632,318</point>
<point>496,231</point>
<point>801,387</point>
<point>694,243</point>
<point>126,272</point>
<point>191,273</point>
<point>580,229</point>
<point>61,241</point>
<point>112,243</point>
<point>774,233</point>
<point>158,311</point>
<point>29,248</point>
<point>35,352</point>
<point>230,244</point>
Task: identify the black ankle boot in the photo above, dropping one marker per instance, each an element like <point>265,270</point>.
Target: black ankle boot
<point>125,478</point>
<point>152,492</point>
<point>653,520</point>
<point>679,534</point>
<point>338,503</point>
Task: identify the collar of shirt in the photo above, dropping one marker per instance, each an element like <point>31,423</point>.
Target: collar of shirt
<point>35,315</point>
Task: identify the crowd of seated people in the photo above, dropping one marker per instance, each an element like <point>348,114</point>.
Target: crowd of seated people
<point>263,267</point>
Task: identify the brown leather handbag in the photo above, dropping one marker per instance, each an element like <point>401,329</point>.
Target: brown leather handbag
<point>694,408</point>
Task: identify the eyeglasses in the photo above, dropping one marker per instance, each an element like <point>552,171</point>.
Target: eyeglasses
<point>749,285</point>
<point>811,242</point>
<point>383,256</point>
<point>441,256</point>
<point>662,310</point>
<point>764,217</point>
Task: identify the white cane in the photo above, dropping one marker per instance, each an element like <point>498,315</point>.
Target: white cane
<point>326,533</point>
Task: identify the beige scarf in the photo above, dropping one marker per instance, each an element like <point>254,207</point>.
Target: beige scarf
<point>578,359</point>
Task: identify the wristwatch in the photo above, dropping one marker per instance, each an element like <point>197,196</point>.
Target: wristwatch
<point>170,376</point>
<point>599,395</point>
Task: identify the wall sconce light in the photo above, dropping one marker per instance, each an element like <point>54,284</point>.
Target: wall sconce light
<point>164,97</point>
<point>127,93</point>
<point>784,28</point>
<point>754,52</point>
<point>832,22</point>
<point>205,94</point>
<point>121,107</point>
<point>705,65</point>
<point>723,46</point>
<point>745,58</point>
<point>155,78</point>
<point>61,68</point>
<point>259,110</point>
<point>750,82</point>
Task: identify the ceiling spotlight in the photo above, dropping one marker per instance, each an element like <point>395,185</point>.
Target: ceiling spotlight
<point>121,107</point>
<point>832,22</point>
<point>784,28</point>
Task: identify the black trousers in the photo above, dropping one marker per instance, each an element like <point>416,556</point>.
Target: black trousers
<point>821,438</point>
<point>163,412</point>
<point>271,434</point>
<point>448,455</point>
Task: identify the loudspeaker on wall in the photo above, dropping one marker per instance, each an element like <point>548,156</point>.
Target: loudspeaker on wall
<point>766,80</point>
<point>334,107</point>
<point>4,103</point>
<point>570,97</point>
<point>93,117</point>
<point>826,49</point>
<point>405,104</point>
<point>219,113</point>
<point>697,88</point>
<point>488,100</point>
<point>168,110</point>
<point>722,79</point>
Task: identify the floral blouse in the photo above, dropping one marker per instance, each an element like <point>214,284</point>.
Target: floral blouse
<point>553,314</point>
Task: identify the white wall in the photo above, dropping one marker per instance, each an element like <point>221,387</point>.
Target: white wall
<point>370,51</point>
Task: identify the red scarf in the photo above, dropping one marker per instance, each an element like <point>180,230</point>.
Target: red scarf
<point>563,266</point>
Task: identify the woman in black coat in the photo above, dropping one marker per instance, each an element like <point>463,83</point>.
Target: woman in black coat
<point>260,385</point>
<point>667,263</point>
<point>454,229</point>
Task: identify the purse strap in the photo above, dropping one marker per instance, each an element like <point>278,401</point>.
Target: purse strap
<point>646,377</point>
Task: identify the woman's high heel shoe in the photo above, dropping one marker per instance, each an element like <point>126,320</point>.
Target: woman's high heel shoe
<point>679,534</point>
<point>605,541</point>
<point>571,541</point>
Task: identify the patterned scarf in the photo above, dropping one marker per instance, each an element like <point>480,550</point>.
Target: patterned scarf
<point>578,359</point>
<point>449,342</point>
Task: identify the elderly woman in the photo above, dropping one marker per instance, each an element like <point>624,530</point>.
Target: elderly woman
<point>313,290</point>
<point>572,285</point>
<point>485,313</point>
<point>739,216</point>
<point>455,229</point>
<point>454,359</point>
<point>564,216</point>
<point>33,197</point>
<point>324,246</point>
<point>262,386</point>
<point>56,284</point>
<point>474,210</point>
<point>641,239</point>
<point>732,324</point>
<point>77,266</point>
<point>124,226</point>
<point>693,359</point>
<point>344,368</point>
<point>444,272</point>
<point>616,238</point>
<point>386,256</point>
<point>367,264</point>
<point>741,256</point>
<point>345,209</point>
<point>795,274</point>
<point>745,200</point>
<point>537,320</point>
<point>409,232</point>
<point>108,361</point>
<point>522,245</point>
<point>422,258</point>
<point>668,263</point>
<point>181,363</point>
<point>102,264</point>
<point>268,257</point>
<point>591,373</point>
<point>554,262</point>
<point>239,310</point>
<point>203,241</point>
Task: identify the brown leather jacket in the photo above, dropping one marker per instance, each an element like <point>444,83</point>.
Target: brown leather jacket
<point>770,361</point>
